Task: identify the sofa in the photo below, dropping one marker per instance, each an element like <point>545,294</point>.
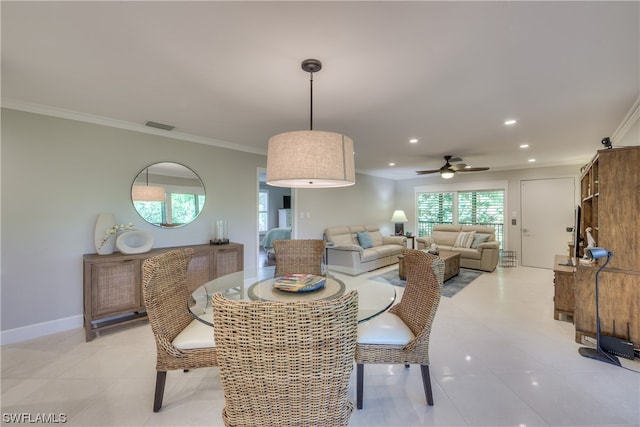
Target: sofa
<point>478,247</point>
<point>357,249</point>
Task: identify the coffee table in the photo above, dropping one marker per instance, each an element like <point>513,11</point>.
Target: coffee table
<point>451,265</point>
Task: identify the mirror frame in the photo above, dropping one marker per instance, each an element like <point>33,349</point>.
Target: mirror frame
<point>143,177</point>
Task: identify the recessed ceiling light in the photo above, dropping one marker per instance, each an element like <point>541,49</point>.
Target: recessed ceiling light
<point>413,140</point>
<point>524,145</point>
<point>392,164</point>
<point>532,160</point>
<point>510,122</point>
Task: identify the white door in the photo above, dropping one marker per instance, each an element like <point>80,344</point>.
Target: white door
<point>547,210</point>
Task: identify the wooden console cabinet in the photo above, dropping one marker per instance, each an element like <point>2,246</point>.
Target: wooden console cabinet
<point>563,281</point>
<point>113,283</point>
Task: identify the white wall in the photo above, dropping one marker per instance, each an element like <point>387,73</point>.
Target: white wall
<point>370,201</point>
<point>58,174</point>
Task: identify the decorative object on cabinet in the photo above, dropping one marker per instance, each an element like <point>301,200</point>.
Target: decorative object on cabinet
<point>134,242</point>
<point>183,195</point>
<point>599,353</point>
<point>104,230</point>
<point>220,236</point>
<point>310,159</point>
<point>591,242</point>
<point>101,237</point>
<point>113,283</point>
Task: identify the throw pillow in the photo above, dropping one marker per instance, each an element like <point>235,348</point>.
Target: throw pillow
<point>364,239</point>
<point>464,239</point>
<point>480,238</point>
<point>342,240</point>
<point>376,238</point>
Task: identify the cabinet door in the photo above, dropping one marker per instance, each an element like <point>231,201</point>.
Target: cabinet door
<point>563,292</point>
<point>619,215</point>
<point>199,271</point>
<point>115,288</point>
<point>228,260</point>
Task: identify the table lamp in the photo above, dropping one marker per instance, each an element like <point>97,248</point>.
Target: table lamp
<point>598,353</point>
<point>399,218</point>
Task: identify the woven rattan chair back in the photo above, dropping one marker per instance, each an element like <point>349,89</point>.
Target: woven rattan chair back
<point>421,297</point>
<point>298,256</point>
<point>286,363</point>
<point>164,287</point>
<point>166,294</point>
<point>417,309</point>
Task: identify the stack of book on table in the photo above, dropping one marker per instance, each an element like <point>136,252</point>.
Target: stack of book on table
<point>299,282</point>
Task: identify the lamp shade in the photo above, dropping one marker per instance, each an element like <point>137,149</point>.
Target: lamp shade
<point>147,193</point>
<point>596,253</point>
<point>399,216</point>
<point>310,159</point>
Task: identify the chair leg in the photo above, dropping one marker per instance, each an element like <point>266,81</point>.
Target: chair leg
<point>161,378</point>
<point>426,383</point>
<point>359,384</point>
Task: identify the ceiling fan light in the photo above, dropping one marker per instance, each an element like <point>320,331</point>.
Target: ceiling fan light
<point>446,174</point>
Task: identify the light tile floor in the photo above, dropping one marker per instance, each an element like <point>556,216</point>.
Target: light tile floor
<point>498,358</point>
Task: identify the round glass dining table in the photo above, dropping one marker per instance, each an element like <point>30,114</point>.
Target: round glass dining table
<point>373,297</point>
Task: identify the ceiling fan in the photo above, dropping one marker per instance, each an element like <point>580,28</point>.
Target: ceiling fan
<point>448,170</point>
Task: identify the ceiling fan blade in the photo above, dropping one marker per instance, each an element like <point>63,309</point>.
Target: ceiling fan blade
<point>455,160</point>
<point>458,166</point>
<point>427,172</point>
<point>473,169</point>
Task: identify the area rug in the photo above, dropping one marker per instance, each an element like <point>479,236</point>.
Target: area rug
<point>449,288</point>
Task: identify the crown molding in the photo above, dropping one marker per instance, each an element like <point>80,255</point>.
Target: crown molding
<point>629,121</point>
<point>121,124</point>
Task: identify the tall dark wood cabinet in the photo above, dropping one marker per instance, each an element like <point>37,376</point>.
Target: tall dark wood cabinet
<point>610,201</point>
<point>113,283</point>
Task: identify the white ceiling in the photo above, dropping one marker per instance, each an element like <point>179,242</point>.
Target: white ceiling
<point>447,73</point>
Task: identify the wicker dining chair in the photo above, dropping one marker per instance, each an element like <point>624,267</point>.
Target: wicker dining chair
<point>401,335</point>
<point>298,256</point>
<point>181,341</point>
<point>286,363</point>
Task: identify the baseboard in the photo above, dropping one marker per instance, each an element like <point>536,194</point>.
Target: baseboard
<point>24,333</point>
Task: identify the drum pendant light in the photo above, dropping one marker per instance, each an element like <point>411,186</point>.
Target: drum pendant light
<point>310,159</point>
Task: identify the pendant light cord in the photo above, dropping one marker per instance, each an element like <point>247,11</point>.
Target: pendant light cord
<point>311,101</point>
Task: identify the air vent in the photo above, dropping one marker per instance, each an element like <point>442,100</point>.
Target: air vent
<point>159,126</point>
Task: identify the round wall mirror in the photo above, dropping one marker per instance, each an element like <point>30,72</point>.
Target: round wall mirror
<point>168,194</point>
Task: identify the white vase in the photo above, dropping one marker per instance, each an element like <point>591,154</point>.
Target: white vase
<point>104,222</point>
<point>134,242</point>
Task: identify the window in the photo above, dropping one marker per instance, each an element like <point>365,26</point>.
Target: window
<point>263,211</point>
<point>484,208</point>
<point>434,208</point>
<point>180,208</point>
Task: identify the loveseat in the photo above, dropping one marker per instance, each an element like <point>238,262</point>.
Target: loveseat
<point>361,248</point>
<point>478,247</point>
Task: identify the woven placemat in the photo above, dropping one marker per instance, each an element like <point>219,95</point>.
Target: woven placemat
<point>264,291</point>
